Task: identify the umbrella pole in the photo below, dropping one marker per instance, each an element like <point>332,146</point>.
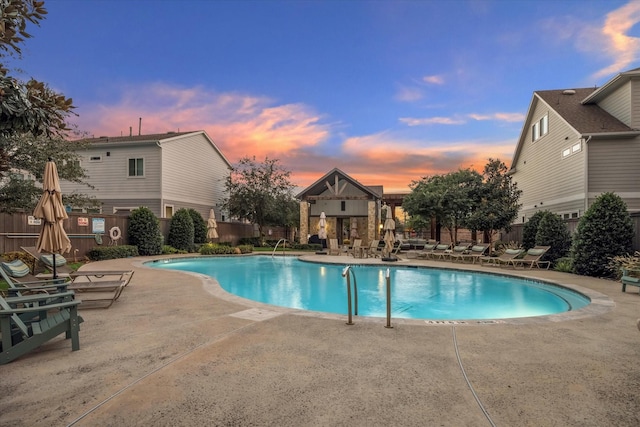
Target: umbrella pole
<point>55,274</point>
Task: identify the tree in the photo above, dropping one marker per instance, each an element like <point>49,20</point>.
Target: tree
<point>181,231</point>
<point>498,205</point>
<point>604,231</point>
<point>258,192</point>
<point>449,198</point>
<point>144,232</point>
<point>530,229</point>
<point>199,226</point>
<point>552,231</point>
<point>32,119</point>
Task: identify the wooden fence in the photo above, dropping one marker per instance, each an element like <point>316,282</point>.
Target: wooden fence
<point>19,229</point>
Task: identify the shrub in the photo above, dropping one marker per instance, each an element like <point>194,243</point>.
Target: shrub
<point>101,253</point>
<point>168,250</point>
<point>255,241</point>
<point>144,232</point>
<point>181,231</point>
<point>215,249</point>
<point>245,249</point>
<point>619,262</point>
<point>604,232</point>
<point>199,226</point>
<point>564,265</point>
<point>552,231</point>
<point>530,229</point>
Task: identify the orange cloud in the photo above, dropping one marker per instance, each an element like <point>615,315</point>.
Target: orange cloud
<point>624,48</point>
<point>436,80</point>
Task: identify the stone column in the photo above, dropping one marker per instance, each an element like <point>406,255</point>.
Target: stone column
<point>304,222</point>
<point>372,222</point>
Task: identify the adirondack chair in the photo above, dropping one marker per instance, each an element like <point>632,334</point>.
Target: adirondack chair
<point>373,250</point>
<point>334,247</point>
<point>356,249</point>
<point>22,332</point>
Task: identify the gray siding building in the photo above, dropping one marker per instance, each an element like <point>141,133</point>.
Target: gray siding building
<point>164,172</point>
<point>577,144</point>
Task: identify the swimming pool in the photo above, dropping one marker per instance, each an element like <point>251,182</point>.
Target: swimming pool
<point>417,293</point>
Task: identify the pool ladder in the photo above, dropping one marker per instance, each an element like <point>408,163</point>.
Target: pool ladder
<point>348,273</point>
<point>284,244</point>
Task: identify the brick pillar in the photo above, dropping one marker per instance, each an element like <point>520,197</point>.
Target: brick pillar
<point>372,221</point>
<point>304,222</point>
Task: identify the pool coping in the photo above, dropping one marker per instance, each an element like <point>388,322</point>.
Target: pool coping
<point>599,303</point>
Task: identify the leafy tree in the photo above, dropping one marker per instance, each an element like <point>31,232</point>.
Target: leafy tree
<point>552,231</point>
<point>530,229</point>
<point>257,191</point>
<point>498,205</point>
<point>604,231</point>
<point>199,226</point>
<point>181,231</point>
<point>449,198</point>
<point>144,232</point>
<point>32,119</point>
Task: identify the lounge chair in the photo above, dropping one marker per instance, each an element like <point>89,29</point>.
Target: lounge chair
<point>440,251</point>
<point>457,252</point>
<point>20,336</point>
<point>475,253</point>
<point>17,273</point>
<point>426,250</point>
<point>532,258</point>
<point>42,262</point>
<point>502,259</point>
<point>356,249</point>
<point>373,249</point>
<point>334,247</point>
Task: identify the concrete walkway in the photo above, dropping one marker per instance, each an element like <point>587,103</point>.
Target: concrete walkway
<point>176,350</point>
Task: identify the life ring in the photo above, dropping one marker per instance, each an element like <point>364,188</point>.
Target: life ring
<point>115,233</point>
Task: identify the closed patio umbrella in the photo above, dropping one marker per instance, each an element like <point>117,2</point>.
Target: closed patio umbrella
<point>322,233</point>
<point>354,228</point>
<point>212,226</point>
<point>52,239</point>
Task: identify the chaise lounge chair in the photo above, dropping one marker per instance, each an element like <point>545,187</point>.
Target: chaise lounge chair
<point>532,258</point>
<point>503,259</point>
<point>440,251</point>
<point>457,252</point>
<point>475,253</point>
<point>425,251</point>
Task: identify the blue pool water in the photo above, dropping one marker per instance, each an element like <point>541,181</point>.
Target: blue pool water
<point>416,293</point>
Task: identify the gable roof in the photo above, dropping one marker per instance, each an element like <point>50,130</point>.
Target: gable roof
<point>613,84</point>
<point>584,118</point>
<point>320,185</point>
<point>156,138</point>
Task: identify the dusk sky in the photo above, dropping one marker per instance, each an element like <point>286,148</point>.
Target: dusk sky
<point>387,91</point>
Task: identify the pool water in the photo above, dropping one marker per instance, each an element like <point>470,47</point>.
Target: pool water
<point>416,293</point>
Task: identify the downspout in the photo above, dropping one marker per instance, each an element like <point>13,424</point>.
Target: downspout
<point>162,212</point>
<point>586,173</point>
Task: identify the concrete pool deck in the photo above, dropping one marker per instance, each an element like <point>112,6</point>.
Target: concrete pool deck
<point>175,350</point>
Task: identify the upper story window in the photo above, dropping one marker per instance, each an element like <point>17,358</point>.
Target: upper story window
<point>575,148</point>
<point>540,128</point>
<point>136,167</point>
<point>95,158</point>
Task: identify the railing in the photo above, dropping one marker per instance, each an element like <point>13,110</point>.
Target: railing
<point>284,244</point>
<point>388,325</point>
<point>348,272</point>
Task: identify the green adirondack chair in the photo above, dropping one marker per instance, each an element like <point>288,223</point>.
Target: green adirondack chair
<point>23,332</point>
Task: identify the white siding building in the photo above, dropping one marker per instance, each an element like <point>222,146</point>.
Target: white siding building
<point>577,144</point>
<point>164,172</point>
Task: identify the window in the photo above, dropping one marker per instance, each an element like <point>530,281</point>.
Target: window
<point>540,128</point>
<point>575,148</point>
<point>343,206</point>
<point>95,158</point>
<point>136,167</point>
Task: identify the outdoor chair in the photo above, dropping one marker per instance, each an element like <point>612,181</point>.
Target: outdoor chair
<point>373,249</point>
<point>457,252</point>
<point>334,247</point>
<point>426,250</point>
<point>22,332</point>
<point>42,262</point>
<point>630,277</point>
<point>475,253</point>
<point>532,258</point>
<point>356,249</point>
<point>440,251</point>
<point>502,259</point>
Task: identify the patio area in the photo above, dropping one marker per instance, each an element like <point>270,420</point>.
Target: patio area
<point>177,350</point>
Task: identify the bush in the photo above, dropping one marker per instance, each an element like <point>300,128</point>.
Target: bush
<point>245,249</point>
<point>199,226</point>
<point>181,231</point>
<point>631,262</point>
<point>604,232</point>
<point>552,231</point>
<point>564,265</point>
<point>255,241</point>
<point>101,253</point>
<point>530,229</point>
<point>144,232</point>
<point>215,249</point>
<point>169,250</point>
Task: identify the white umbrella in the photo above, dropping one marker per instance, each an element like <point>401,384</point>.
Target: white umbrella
<point>52,239</point>
<point>322,233</point>
<point>212,226</point>
<point>389,227</point>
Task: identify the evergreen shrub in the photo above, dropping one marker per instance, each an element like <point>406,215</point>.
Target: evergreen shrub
<point>604,232</point>
<point>530,229</point>
<point>181,231</point>
<point>101,253</point>
<point>552,231</point>
<point>199,226</point>
<point>144,232</point>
